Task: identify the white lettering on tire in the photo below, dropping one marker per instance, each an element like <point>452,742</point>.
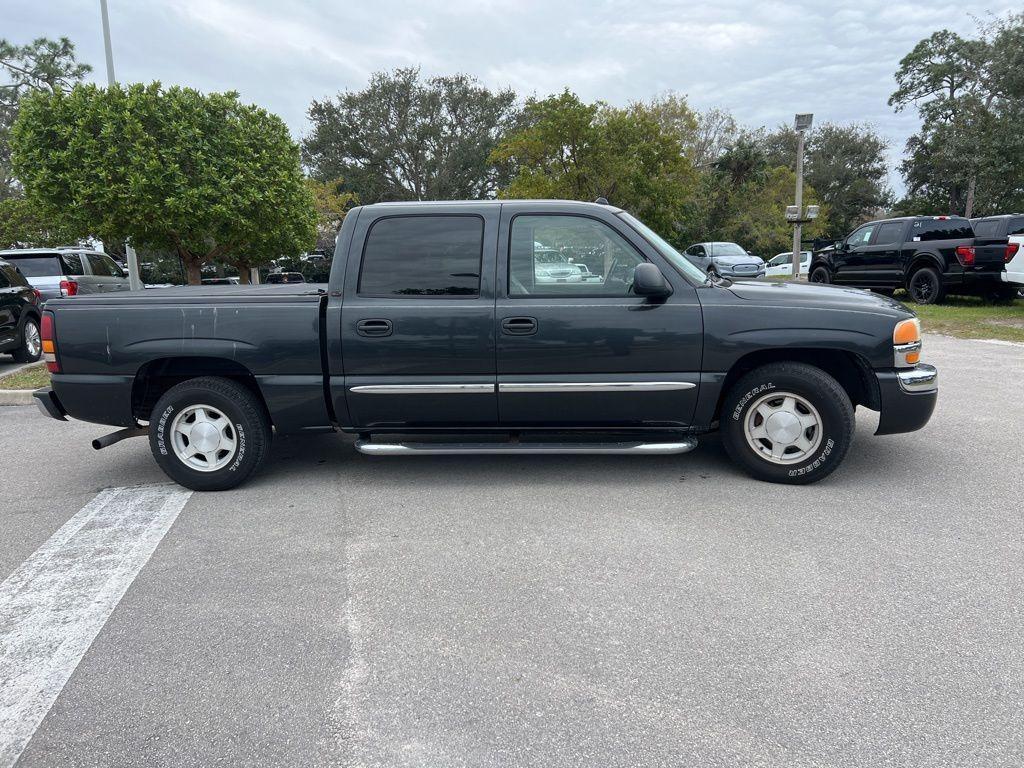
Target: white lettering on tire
<point>816,463</point>
<point>747,398</point>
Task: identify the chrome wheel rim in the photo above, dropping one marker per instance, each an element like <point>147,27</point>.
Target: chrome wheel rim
<point>783,428</point>
<point>33,345</point>
<point>203,438</point>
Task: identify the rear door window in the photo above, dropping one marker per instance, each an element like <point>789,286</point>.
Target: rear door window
<point>925,230</point>
<point>416,256</point>
<point>890,232</point>
<point>37,266</point>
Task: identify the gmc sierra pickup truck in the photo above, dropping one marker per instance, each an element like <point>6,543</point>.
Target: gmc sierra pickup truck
<point>929,256</point>
<point>435,336</point>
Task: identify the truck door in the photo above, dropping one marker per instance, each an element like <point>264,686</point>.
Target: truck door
<point>417,320</point>
<point>587,352</point>
<point>880,260</point>
<point>850,259</point>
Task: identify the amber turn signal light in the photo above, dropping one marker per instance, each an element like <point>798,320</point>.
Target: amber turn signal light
<point>907,331</point>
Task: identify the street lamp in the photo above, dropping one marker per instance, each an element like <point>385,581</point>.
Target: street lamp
<point>134,280</point>
<point>801,123</point>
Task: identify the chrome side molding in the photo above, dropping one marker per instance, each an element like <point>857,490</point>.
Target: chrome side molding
<point>539,386</point>
<point>595,386</point>
<point>422,389</point>
<point>437,449</point>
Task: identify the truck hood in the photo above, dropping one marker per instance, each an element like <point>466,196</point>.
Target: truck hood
<point>824,296</point>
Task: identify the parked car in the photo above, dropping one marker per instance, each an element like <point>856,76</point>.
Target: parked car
<point>277,278</point>
<point>929,256</point>
<point>725,260</point>
<point>1010,226</point>
<point>550,266</point>
<point>781,264</point>
<point>19,316</point>
<point>434,323</point>
<point>68,271</point>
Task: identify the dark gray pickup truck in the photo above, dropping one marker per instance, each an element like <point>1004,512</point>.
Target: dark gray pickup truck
<point>440,333</point>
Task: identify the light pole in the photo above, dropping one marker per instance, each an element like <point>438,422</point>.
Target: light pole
<point>801,124</point>
<point>134,280</point>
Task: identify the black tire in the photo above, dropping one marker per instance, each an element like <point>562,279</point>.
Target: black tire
<point>925,286</point>
<point>827,441</point>
<point>820,275</point>
<point>26,351</point>
<point>248,426</point>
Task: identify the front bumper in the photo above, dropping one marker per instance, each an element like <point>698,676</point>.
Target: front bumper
<point>49,404</point>
<point>907,398</point>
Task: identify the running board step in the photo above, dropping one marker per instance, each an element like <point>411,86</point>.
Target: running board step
<point>439,448</point>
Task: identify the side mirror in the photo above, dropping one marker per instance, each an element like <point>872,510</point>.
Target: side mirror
<point>648,281</point>
<point>125,272</point>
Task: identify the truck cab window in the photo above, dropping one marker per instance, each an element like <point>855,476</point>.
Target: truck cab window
<point>861,236</point>
<point>941,229</point>
<point>889,233</point>
<point>416,256</point>
<point>569,256</point>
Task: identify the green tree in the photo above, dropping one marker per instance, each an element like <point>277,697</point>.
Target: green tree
<point>570,149</point>
<point>331,203</point>
<point>967,157</point>
<point>42,65</point>
<point>22,225</point>
<point>403,138</point>
<point>204,175</point>
<point>846,165</point>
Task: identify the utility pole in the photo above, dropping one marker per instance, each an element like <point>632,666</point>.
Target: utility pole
<point>801,124</point>
<point>134,279</point>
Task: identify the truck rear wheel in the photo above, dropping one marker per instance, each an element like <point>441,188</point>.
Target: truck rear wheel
<point>787,423</point>
<point>925,286</point>
<point>209,434</point>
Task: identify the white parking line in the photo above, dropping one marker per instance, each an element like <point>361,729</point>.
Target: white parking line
<point>56,602</point>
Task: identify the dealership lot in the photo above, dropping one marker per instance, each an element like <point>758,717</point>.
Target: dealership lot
<point>548,611</point>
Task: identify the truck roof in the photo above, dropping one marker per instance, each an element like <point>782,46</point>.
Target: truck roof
<point>543,203</point>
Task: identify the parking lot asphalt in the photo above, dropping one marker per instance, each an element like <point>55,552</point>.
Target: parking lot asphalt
<point>341,609</point>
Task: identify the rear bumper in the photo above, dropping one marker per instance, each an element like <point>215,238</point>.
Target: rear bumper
<point>49,405</point>
<point>908,397</point>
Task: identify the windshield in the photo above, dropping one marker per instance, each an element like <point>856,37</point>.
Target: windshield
<point>727,249</point>
<point>662,246</point>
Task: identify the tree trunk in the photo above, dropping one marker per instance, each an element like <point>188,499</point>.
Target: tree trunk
<point>193,269</point>
<point>969,205</point>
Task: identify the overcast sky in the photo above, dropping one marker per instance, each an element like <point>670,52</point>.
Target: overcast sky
<point>762,60</point>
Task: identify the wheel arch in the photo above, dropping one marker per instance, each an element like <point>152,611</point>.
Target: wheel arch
<point>919,260</point>
<point>157,376</point>
<point>851,370</point>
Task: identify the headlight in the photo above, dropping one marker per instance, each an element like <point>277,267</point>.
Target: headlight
<point>906,343</point>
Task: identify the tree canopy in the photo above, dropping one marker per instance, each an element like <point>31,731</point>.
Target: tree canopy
<point>968,156</point>
<point>42,65</point>
<point>569,149</point>
<point>404,138</point>
<point>203,175</point>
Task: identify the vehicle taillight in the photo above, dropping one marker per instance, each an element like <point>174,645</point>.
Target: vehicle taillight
<point>1011,251</point>
<point>68,288</point>
<point>965,253</point>
<point>49,343</point>
<point>39,294</point>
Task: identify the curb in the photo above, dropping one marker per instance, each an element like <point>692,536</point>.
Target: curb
<point>16,396</point>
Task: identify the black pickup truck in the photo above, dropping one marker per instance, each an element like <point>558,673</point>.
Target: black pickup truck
<point>929,256</point>
<point>441,331</point>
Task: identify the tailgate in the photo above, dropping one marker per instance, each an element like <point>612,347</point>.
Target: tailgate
<point>990,252</point>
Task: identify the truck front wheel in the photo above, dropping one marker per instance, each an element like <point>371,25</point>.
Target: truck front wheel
<point>787,423</point>
<point>209,434</point>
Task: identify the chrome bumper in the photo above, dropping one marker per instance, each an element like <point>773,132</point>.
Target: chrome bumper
<point>920,378</point>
